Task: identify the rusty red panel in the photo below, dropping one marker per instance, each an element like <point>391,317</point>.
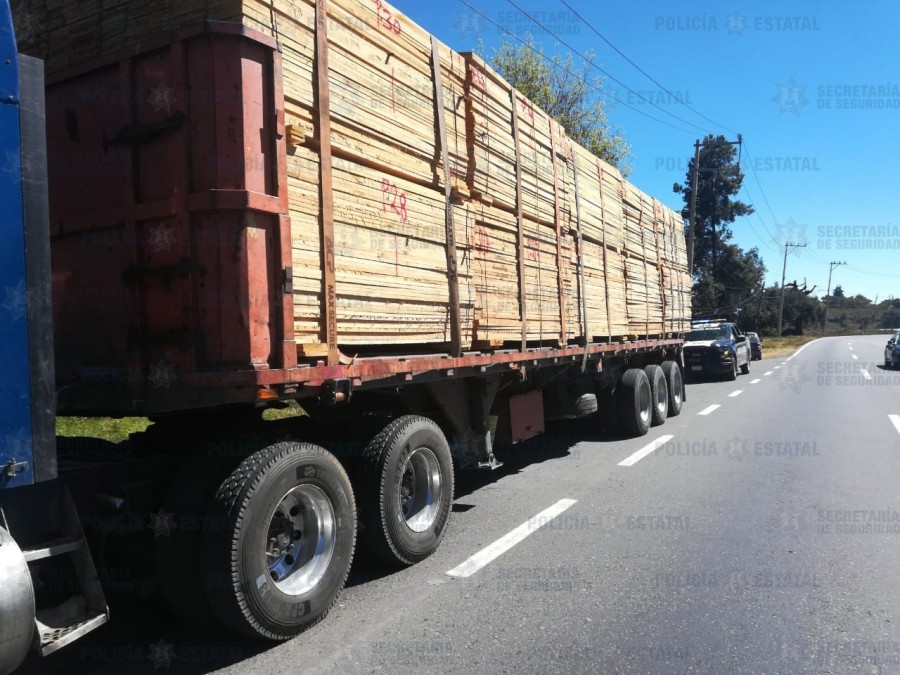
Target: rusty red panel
<point>169,212</point>
<point>526,416</point>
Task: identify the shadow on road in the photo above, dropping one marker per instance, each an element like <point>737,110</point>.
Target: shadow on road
<point>145,636</point>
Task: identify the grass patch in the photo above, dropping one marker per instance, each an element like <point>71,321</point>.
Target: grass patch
<point>293,409</point>
<point>114,430</point>
<point>774,347</point>
<point>117,430</point>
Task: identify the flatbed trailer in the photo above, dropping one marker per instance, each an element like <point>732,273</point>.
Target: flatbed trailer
<point>214,251</point>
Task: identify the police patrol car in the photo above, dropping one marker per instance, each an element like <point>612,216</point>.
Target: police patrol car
<point>716,347</point>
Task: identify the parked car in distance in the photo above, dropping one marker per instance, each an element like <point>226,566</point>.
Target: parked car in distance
<point>892,351</point>
<point>755,346</point>
<point>716,348</point>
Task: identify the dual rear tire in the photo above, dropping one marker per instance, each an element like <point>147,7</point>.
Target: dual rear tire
<point>647,396</point>
<point>276,540</point>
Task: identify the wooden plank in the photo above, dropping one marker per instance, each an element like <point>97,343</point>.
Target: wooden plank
<point>326,188</point>
<point>558,219</point>
<point>520,231</point>
<point>452,274</point>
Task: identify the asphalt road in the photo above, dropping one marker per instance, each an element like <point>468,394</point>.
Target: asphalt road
<point>762,537</point>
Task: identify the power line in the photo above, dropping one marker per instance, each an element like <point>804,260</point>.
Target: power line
<point>759,183</point>
<point>568,70</point>
<point>594,65</point>
<point>641,70</point>
<point>770,242</point>
<point>859,270</point>
<point>815,256</point>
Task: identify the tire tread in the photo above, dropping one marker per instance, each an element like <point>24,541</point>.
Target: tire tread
<point>231,500</point>
<point>372,493</point>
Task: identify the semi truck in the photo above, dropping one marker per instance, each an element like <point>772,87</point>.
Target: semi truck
<point>175,246</point>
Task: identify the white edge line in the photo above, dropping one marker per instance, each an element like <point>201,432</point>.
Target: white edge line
<point>736,393</point>
<point>507,541</point>
<point>755,381</point>
<point>802,347</point>
<point>708,410</point>
<point>895,420</point>
<point>634,458</point>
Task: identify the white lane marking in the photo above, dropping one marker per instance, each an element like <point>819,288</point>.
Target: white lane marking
<point>755,381</point>
<point>507,541</point>
<point>801,349</point>
<point>707,411</point>
<point>855,357</point>
<point>777,368</point>
<point>851,348</point>
<point>735,394</point>
<point>895,420</point>
<point>633,459</point>
<point>768,373</point>
<point>865,373</point>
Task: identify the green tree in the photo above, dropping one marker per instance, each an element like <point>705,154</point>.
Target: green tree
<point>566,92</point>
<point>719,267</point>
<point>737,286</point>
<point>838,292</point>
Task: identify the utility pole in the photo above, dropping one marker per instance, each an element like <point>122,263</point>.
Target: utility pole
<point>783,275</point>
<point>692,225</point>
<point>831,267</point>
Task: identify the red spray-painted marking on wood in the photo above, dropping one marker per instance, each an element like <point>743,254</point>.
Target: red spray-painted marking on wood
<point>533,249</point>
<point>477,76</point>
<point>386,19</point>
<point>480,239</point>
<point>393,200</point>
<point>527,108</point>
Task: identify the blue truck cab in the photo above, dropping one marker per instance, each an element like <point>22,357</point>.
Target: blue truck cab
<point>716,347</point>
<point>39,526</point>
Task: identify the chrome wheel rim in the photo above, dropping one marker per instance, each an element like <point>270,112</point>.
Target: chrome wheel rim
<point>662,397</point>
<point>645,403</point>
<point>421,487</point>
<point>300,540</point>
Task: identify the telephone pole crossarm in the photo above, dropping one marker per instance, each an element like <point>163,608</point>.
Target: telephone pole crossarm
<point>787,246</point>
<point>831,267</point>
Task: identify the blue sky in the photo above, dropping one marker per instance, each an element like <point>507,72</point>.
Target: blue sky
<point>814,88</point>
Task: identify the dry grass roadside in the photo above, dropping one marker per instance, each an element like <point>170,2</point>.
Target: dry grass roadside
<point>776,347</point>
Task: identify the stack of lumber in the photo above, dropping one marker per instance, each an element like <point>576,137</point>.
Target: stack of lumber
<point>599,258</point>
<point>389,255</point>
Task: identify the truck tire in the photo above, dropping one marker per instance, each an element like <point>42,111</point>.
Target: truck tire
<point>634,402</point>
<point>17,607</point>
<point>406,490</point>
<point>675,384</point>
<point>283,549</point>
<point>659,394</point>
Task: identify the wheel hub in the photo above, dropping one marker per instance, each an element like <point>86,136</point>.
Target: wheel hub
<point>420,490</point>
<point>301,539</point>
